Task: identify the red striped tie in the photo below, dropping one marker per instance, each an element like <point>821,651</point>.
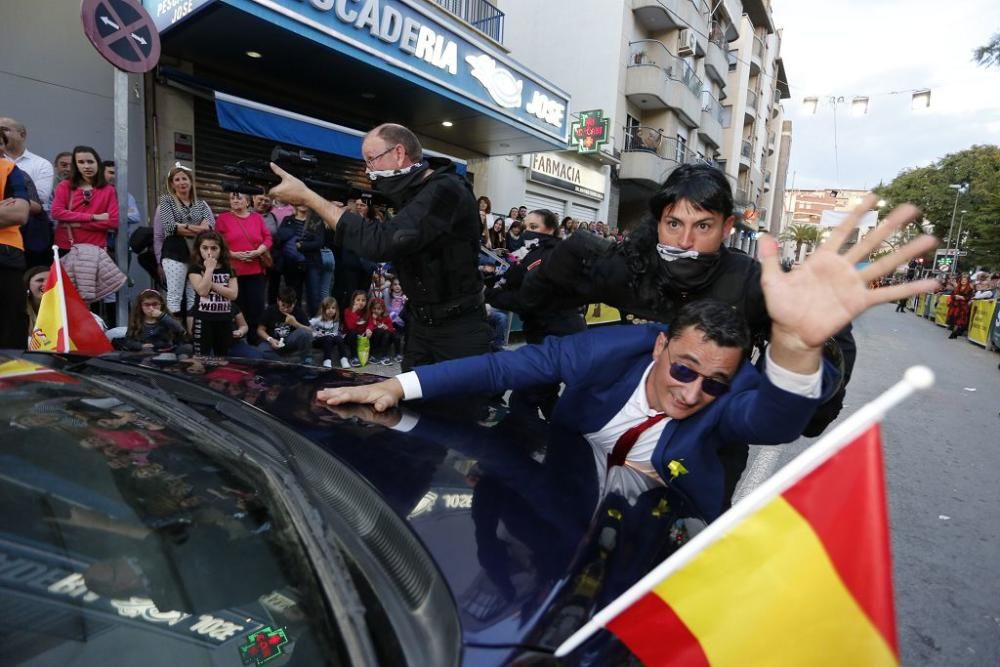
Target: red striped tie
<point>628,439</point>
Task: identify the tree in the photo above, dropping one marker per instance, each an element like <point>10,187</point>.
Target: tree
<point>927,187</point>
<point>801,234</point>
<point>989,54</point>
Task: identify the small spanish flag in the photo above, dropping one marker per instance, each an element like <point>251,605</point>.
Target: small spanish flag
<point>797,573</point>
<point>64,323</point>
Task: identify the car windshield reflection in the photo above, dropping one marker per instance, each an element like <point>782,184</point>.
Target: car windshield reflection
<point>117,524</point>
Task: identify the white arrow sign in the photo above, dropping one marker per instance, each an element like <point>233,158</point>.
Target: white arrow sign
<point>106,21</point>
<point>138,39</point>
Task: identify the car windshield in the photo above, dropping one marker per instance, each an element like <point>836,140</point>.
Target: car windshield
<point>124,541</point>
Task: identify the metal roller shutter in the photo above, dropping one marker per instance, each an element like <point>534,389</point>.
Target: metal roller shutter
<point>216,147</point>
<point>535,201</point>
<point>584,213</point>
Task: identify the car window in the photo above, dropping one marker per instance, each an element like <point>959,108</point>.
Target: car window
<point>124,542</point>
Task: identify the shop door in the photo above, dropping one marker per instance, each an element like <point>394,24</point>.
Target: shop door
<point>214,148</point>
<point>584,213</point>
<point>535,201</point>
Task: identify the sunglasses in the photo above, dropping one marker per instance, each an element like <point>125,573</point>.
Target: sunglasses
<point>710,386</point>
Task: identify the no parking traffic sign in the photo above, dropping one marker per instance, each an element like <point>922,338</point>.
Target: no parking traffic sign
<point>122,32</point>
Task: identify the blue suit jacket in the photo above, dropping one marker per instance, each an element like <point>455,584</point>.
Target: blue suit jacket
<point>602,367</point>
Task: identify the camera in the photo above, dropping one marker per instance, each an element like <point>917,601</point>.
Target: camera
<point>254,177</point>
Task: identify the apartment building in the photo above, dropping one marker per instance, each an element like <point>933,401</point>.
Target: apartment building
<point>807,206</point>
<point>675,81</point>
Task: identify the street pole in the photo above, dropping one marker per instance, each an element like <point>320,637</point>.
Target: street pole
<point>958,240</point>
<point>121,183</point>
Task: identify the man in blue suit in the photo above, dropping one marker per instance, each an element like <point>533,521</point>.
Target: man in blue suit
<point>666,402</point>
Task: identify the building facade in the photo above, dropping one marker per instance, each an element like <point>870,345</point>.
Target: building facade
<point>674,81</point>
<point>238,77</point>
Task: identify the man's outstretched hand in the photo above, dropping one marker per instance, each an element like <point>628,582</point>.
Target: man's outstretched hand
<point>293,191</point>
<point>381,395</point>
<point>826,292</point>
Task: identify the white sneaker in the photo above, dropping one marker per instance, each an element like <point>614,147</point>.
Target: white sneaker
<point>327,363</point>
<point>344,363</point>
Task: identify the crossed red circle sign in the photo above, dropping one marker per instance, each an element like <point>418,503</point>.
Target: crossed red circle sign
<point>123,32</point>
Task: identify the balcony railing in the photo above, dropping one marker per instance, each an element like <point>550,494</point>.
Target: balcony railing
<point>746,150</point>
<point>711,106</point>
<point>717,34</point>
<point>758,47</point>
<point>482,15</point>
<point>751,99</point>
<point>652,140</point>
<point>653,52</point>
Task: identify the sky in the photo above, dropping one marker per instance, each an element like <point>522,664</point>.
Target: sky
<point>871,48</point>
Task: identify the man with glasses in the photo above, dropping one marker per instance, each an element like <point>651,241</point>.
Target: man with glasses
<point>433,242</point>
<point>668,402</point>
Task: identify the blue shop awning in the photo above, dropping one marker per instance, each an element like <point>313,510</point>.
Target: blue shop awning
<point>261,120</point>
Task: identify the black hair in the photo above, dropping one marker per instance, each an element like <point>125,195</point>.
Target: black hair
<point>549,219</point>
<point>76,178</point>
<point>705,186</point>
<point>719,322</point>
<point>108,163</point>
<point>287,295</point>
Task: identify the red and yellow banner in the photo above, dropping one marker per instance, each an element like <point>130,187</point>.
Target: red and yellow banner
<point>804,580</point>
<point>64,323</point>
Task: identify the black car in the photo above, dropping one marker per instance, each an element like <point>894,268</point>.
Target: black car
<point>185,512</point>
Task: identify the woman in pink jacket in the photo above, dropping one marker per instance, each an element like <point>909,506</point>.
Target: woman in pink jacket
<point>84,206</point>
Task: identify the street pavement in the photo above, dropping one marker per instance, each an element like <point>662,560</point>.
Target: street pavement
<point>942,457</point>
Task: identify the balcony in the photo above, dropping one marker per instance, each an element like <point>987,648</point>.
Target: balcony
<point>750,110</point>
<point>771,143</point>
<point>710,127</point>
<point>660,15</point>
<point>746,152</point>
<point>716,57</point>
<point>482,15</point>
<point>756,55</point>
<point>742,196</point>
<point>649,156</point>
<point>657,79</point>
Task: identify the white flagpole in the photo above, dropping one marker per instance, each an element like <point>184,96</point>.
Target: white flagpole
<point>915,378</point>
<point>62,299</point>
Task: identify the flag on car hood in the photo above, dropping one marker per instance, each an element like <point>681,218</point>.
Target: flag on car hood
<point>64,323</point>
<point>797,573</point>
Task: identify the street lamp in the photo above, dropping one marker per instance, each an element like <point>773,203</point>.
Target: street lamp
<point>960,189</point>
<point>958,241</point>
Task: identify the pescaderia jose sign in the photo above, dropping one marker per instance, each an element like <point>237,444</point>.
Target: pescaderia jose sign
<point>420,45</point>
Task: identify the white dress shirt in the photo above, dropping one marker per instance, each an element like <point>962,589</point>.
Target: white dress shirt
<point>41,173</point>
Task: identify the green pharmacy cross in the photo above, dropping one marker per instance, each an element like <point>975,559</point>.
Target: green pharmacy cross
<point>263,646</point>
<point>588,133</point>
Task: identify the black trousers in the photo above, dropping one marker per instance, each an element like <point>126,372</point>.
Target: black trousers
<point>385,342</point>
<point>13,305</point>
<point>463,336</point>
<point>251,298</point>
<point>333,347</point>
<point>212,337</point>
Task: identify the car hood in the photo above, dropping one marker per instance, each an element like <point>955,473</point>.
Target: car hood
<point>522,520</point>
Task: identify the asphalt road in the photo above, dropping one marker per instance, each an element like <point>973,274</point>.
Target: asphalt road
<point>942,454</point>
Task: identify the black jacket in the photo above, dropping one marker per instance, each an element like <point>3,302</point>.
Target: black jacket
<point>542,322</point>
<point>433,240</point>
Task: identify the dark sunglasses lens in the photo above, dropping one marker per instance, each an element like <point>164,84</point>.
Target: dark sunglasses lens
<point>682,373</point>
<point>714,387</point>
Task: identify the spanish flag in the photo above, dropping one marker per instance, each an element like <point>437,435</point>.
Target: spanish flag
<point>797,573</point>
<point>64,323</point>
